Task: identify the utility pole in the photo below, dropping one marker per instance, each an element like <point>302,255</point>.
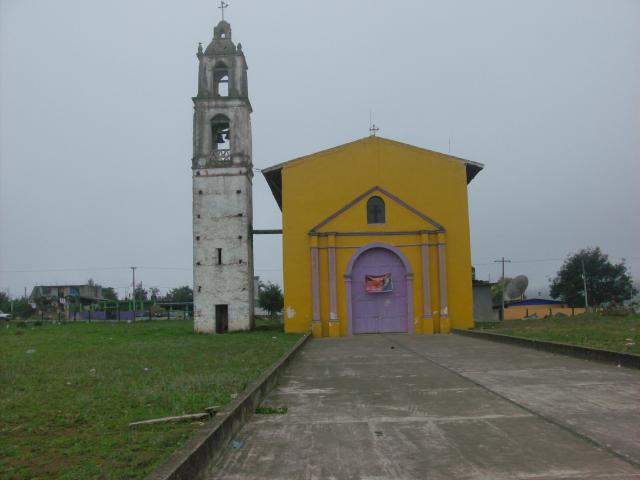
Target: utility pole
<point>502,261</point>
<point>133,293</point>
<point>584,285</point>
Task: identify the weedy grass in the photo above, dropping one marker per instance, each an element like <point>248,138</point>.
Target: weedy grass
<point>272,410</point>
<point>69,392</point>
<point>619,334</point>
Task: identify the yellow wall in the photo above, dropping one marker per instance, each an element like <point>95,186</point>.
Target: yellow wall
<point>521,311</point>
<point>315,187</point>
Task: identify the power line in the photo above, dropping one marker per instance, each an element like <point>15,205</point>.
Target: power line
<point>64,270</point>
<point>98,269</point>
<point>166,268</point>
<point>543,260</point>
<point>89,269</point>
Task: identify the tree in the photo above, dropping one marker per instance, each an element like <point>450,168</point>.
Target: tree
<point>141,293</point>
<point>497,288</point>
<point>606,281</point>
<point>43,303</point>
<point>21,308</point>
<point>154,293</point>
<point>179,295</point>
<point>5,302</point>
<point>109,293</point>
<point>270,298</point>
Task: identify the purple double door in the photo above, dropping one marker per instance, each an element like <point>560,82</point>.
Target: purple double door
<point>378,312</point>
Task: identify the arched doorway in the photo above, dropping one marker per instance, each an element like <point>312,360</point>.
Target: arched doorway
<point>376,309</point>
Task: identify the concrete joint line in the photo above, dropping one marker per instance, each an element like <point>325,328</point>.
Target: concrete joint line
<point>206,445</point>
<point>558,423</point>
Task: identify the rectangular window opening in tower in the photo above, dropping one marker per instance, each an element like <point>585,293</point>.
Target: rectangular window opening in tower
<point>221,79</point>
<point>222,87</point>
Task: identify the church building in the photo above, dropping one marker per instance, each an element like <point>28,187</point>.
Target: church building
<point>375,239</point>
<point>375,232</point>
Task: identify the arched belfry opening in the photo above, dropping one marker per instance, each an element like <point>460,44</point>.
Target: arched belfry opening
<point>220,138</point>
<point>221,80</point>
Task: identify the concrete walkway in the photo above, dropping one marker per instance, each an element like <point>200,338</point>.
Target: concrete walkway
<point>441,407</point>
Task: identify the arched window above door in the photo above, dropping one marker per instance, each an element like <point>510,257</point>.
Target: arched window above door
<point>376,211</point>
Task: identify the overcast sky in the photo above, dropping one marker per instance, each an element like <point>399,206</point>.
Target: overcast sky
<point>96,122</point>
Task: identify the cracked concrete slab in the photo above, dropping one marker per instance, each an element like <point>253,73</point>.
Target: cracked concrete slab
<point>599,401</point>
<point>440,407</point>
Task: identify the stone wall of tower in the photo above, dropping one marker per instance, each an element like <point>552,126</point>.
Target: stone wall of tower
<point>222,209</point>
<point>222,196</point>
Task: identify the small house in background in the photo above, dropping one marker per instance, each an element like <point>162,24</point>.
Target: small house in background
<point>540,307</point>
<point>482,302</point>
<point>58,296</point>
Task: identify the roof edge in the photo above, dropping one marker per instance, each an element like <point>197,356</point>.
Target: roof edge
<point>273,174</point>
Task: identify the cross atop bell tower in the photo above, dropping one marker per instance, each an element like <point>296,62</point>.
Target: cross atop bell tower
<point>222,6</point>
<point>222,182</point>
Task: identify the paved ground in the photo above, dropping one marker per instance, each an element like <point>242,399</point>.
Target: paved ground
<point>441,407</point>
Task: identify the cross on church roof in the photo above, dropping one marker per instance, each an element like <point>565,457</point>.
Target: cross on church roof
<point>373,129</point>
<point>222,6</point>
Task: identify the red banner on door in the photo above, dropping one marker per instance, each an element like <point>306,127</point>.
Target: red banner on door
<point>378,283</point>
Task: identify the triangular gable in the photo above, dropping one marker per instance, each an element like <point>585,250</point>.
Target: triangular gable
<point>273,174</point>
<point>436,226</point>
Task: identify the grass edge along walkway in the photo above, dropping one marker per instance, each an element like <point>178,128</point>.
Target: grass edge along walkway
<point>617,334</point>
<point>74,388</point>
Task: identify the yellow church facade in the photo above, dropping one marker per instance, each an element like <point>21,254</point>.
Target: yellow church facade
<point>375,239</point>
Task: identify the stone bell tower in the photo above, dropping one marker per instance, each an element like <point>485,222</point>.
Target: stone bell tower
<point>222,181</point>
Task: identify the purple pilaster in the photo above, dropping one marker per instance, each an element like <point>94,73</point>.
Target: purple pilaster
<point>333,304</point>
<point>315,284</point>
<point>426,297</point>
<point>409,280</point>
<point>444,311</point>
<point>347,283</point>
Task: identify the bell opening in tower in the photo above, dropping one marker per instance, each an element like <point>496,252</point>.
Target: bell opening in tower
<point>221,136</point>
<point>221,80</point>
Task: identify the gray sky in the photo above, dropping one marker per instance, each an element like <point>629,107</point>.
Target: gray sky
<point>95,122</point>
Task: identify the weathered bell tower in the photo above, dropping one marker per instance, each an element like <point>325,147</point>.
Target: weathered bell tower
<point>222,181</point>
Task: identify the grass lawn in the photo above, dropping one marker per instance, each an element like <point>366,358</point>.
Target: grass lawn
<point>621,334</point>
<point>69,391</point>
